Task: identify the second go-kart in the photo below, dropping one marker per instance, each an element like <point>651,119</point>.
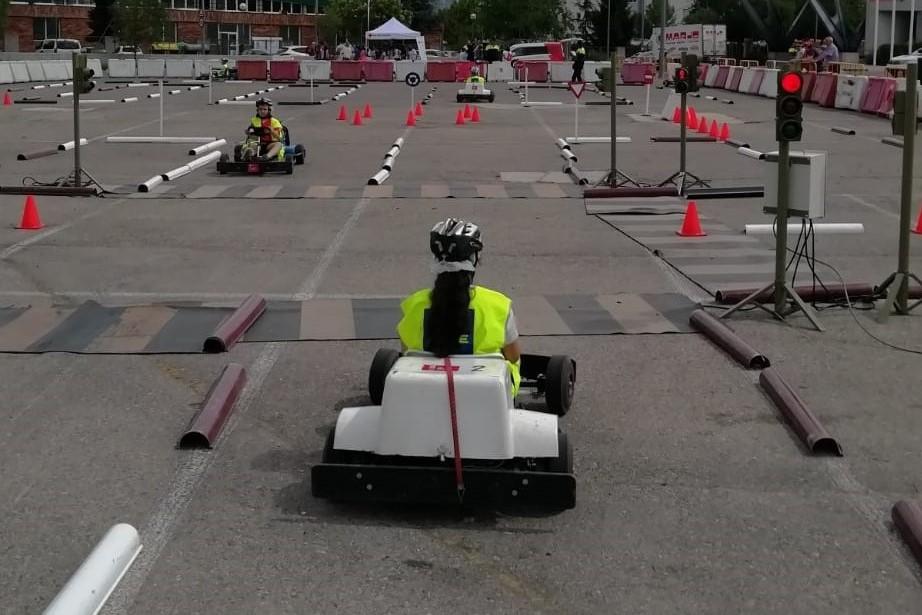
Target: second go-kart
<point>249,156</point>
<point>403,448</point>
<point>475,92</point>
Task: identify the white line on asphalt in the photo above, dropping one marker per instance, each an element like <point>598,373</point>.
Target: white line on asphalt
<point>159,529</point>
<point>876,208</point>
<point>109,297</point>
<point>16,247</point>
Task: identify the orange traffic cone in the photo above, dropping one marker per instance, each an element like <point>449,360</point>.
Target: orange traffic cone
<point>475,115</point>
<point>418,110</point>
<point>918,229</point>
<point>411,118</point>
<point>714,132</point>
<point>343,114</point>
<point>691,226</point>
<point>725,132</point>
<point>7,99</point>
<point>459,119</point>
<point>367,112</point>
<point>692,120</point>
<point>702,125</point>
<point>693,114</point>
<point>676,116</point>
<point>30,218</point>
<point>357,118</point>
<point>467,112</point>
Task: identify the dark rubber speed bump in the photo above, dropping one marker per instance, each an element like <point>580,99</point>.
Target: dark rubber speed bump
<point>732,192</point>
<point>810,431</point>
<point>832,292</point>
<point>727,339</point>
<point>843,131</point>
<point>907,517</point>
<point>234,326</point>
<point>689,139</point>
<point>207,424</point>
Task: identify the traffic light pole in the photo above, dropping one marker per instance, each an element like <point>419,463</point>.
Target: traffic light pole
<point>614,178</point>
<point>896,286</point>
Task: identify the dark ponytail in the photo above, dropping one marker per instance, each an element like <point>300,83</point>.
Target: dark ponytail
<point>448,316</point>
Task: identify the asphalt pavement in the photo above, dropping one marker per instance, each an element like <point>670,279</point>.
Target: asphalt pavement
<point>693,495</point>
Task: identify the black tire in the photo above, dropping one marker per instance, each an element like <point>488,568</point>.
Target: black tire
<point>492,97</point>
<point>560,384</point>
<point>330,454</point>
<point>563,463</point>
<point>237,153</point>
<point>459,98</point>
<point>224,157</point>
<point>380,366</point>
<point>300,154</point>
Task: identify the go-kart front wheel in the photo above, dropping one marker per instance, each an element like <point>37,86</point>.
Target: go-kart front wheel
<point>459,98</point>
<point>300,154</point>
<point>238,156</point>
<point>559,384</point>
<point>563,463</point>
<point>492,97</point>
<point>380,366</point>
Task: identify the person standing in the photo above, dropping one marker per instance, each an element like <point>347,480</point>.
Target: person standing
<point>830,53</point>
<point>579,59</point>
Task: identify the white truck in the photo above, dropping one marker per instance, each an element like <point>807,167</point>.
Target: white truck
<point>700,39</point>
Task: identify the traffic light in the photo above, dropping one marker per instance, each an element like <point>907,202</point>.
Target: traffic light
<point>83,83</point>
<point>681,80</point>
<point>691,63</point>
<point>789,107</point>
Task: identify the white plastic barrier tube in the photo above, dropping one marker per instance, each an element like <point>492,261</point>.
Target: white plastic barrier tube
<point>379,178</point>
<point>176,173</point>
<point>149,185</point>
<point>175,92</point>
<point>388,164</point>
<point>399,143</point>
<point>97,101</point>
<point>66,147</point>
<point>130,99</point>
<point>831,228</point>
<point>160,139</point>
<point>200,162</point>
<point>751,153</point>
<point>63,94</point>
<point>89,588</point>
<point>201,149</point>
<point>140,85</point>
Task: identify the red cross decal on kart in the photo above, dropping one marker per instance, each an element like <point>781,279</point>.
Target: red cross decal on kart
<point>438,367</point>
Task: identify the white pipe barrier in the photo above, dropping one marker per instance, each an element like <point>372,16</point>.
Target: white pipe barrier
<point>198,163</point>
<point>751,153</point>
<point>379,178</point>
<point>175,92</point>
<point>147,186</point>
<point>831,228</point>
<point>66,147</point>
<point>153,95</point>
<point>130,99</point>
<point>388,164</point>
<point>532,103</point>
<point>568,155</point>
<point>391,153</point>
<point>139,85</point>
<point>97,101</point>
<point>399,143</point>
<point>89,588</point>
<point>65,94</point>
<point>201,149</point>
<point>562,144</point>
<point>176,173</point>
<point>160,139</point>
<point>234,102</point>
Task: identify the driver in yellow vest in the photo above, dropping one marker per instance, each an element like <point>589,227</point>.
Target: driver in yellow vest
<point>455,317</point>
<point>269,130</point>
<point>475,76</point>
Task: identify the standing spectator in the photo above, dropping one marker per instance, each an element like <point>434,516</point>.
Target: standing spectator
<point>413,55</point>
<point>579,59</point>
<point>830,53</point>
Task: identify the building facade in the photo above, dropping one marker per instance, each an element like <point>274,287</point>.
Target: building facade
<point>226,26</point>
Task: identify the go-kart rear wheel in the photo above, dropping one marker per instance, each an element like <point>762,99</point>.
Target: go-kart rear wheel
<point>330,454</point>
<point>380,366</point>
<point>563,463</point>
<point>492,97</point>
<point>237,154</point>
<point>559,384</point>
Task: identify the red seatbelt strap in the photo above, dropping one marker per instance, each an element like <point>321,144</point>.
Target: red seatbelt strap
<point>459,478</point>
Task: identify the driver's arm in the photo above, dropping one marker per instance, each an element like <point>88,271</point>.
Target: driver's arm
<point>512,352</point>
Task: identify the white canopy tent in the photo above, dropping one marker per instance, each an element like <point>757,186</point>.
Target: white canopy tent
<point>393,30</point>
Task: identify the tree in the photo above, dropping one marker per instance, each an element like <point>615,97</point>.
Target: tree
<point>622,26</point>
<point>584,13</point>
<point>422,14</point>
<point>139,22</point>
<point>456,22</point>
<point>4,7</point>
<point>101,16</point>
<point>349,18</point>
<point>654,14</point>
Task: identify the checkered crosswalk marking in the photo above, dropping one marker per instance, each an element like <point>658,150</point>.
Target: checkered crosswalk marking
<point>722,260</point>
<point>96,329</point>
<point>386,191</point>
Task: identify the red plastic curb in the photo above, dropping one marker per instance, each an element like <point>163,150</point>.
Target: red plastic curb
<point>234,326</point>
<point>205,426</point>
<point>807,293</point>
<point>609,193</point>
<point>727,339</point>
<point>810,431</point>
<point>907,517</point>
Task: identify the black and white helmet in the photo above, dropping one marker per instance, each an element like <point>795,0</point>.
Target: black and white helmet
<point>454,240</point>
<point>264,101</point>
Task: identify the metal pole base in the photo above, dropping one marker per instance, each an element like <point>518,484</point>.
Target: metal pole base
<point>798,303</point>
<point>892,302</point>
<point>680,180</point>
<point>616,179</point>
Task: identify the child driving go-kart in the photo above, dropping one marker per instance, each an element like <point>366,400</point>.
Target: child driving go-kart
<point>264,139</point>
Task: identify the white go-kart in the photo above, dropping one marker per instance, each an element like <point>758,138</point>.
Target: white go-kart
<point>475,92</point>
<point>402,449</point>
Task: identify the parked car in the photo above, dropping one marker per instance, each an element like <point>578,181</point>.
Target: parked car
<point>255,52</point>
<point>908,57</point>
<point>294,50</point>
<point>60,45</point>
<point>128,50</point>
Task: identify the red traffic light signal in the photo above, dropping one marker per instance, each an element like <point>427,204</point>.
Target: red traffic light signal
<point>791,83</point>
<point>681,74</point>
